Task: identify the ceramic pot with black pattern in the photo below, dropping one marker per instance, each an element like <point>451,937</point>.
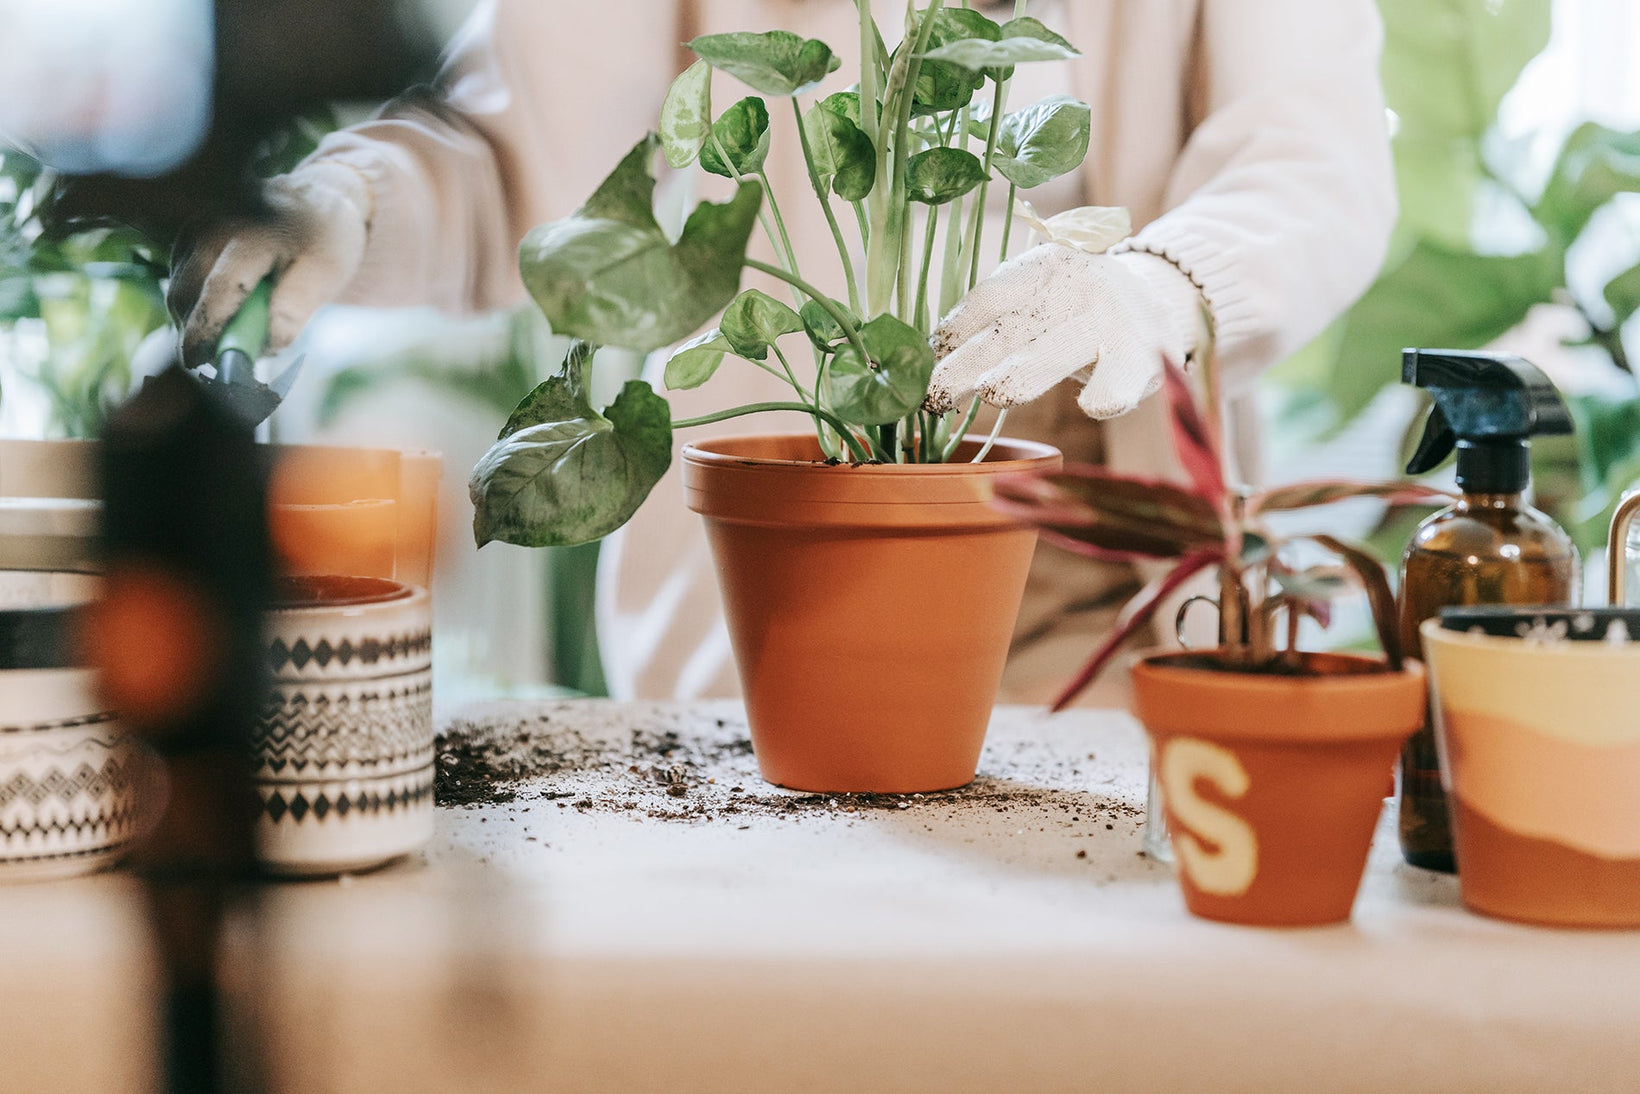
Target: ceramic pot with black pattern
<point>344,752</point>
<point>70,781</point>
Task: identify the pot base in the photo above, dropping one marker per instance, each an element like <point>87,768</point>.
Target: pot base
<point>1510,876</point>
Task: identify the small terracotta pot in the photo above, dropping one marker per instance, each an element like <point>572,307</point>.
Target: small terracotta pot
<point>1273,784</point>
<point>344,751</point>
<point>1540,754</point>
<point>870,607</point>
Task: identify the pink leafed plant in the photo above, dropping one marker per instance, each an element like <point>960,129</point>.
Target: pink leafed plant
<point>1206,523</point>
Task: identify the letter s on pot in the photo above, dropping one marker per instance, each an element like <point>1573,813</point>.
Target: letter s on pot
<point>1229,870</point>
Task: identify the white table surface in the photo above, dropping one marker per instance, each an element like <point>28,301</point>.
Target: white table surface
<point>1009,938</point>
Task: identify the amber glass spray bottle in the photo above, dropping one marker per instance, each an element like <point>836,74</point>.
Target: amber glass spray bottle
<point>1488,548</point>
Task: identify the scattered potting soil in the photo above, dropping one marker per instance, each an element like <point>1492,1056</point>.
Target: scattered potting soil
<point>669,764</point>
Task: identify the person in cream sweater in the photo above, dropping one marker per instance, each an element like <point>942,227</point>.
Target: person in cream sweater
<point>1247,138</point>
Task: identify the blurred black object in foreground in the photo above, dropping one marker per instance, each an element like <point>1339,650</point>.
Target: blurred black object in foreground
<point>275,60</point>
<point>177,637</point>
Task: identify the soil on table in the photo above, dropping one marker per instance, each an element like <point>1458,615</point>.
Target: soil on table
<point>668,764</point>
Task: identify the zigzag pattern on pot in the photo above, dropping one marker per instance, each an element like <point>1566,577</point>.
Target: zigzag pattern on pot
<point>373,729</point>
<point>368,651</point>
<point>94,782</point>
<point>67,723</point>
<point>338,802</point>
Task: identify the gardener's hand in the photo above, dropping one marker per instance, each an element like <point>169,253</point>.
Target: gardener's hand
<point>1056,312</point>
<point>312,242</point>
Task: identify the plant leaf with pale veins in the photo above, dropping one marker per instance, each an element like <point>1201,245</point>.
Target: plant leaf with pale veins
<point>686,115</point>
<point>694,362</point>
<point>844,157</point>
<point>608,274</point>
<point>1043,141</point>
<point>575,475</point>
<point>753,321</point>
<point>743,130</point>
<point>775,62</point>
<point>889,386</point>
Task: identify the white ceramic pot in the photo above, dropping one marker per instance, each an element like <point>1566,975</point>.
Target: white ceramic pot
<point>69,779</point>
<point>344,753</point>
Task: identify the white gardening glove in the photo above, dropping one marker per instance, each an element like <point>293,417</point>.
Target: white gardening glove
<point>1057,312</point>
<point>312,243</point>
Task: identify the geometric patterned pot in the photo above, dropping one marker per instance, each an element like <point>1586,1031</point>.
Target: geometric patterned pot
<point>69,779</point>
<point>344,752</point>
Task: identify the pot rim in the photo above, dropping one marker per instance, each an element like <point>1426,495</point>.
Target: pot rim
<point>1325,709</point>
<point>709,453</point>
<point>369,592</point>
<point>1432,631</point>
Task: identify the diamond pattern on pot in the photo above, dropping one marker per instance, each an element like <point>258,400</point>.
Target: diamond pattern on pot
<point>288,805</point>
<point>368,651</point>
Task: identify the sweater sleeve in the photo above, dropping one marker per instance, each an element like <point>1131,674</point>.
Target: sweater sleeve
<point>1281,203</point>
<point>532,96</point>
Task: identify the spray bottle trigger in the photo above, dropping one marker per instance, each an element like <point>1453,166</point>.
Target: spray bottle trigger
<point>1438,442</point>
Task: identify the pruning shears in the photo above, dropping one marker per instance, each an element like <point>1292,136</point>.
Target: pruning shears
<point>243,341</point>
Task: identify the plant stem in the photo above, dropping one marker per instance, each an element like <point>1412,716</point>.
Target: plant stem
<point>962,430</point>
<point>780,222</point>
<point>818,297</point>
<point>785,258</point>
<point>1008,222</point>
<point>790,375</point>
<point>853,442</point>
<point>921,319</point>
<point>865,224</point>
<point>996,431</point>
<point>998,99</point>
<point>825,206</point>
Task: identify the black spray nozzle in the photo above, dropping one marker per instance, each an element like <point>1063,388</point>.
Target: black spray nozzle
<point>1487,406</point>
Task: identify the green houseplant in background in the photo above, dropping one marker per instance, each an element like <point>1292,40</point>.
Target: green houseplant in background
<point>924,129</point>
<point>1447,66</point>
<point>92,294</point>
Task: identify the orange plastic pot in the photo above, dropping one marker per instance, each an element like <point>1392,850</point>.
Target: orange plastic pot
<point>1273,784</point>
<point>869,606</point>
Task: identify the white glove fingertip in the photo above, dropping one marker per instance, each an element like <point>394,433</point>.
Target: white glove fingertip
<point>242,264</point>
<point>1118,386</point>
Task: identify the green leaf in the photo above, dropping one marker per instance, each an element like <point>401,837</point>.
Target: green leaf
<point>775,62</point>
<point>575,475</point>
<point>609,275</point>
<point>1446,65</point>
<point>844,157</point>
<point>1623,294</point>
<point>1595,165</point>
<point>976,54</point>
<point>696,360</point>
<point>1027,27</point>
<point>754,320</point>
<point>822,329</point>
<point>888,387</point>
<point>939,175</point>
<point>17,299</point>
<point>1481,297</point>
<point>943,86</point>
<point>686,115</point>
<point>743,130</point>
<point>1042,141</point>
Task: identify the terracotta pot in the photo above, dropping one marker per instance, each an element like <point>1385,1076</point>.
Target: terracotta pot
<point>870,607</point>
<point>344,751</point>
<point>1540,753</point>
<point>1273,784</point>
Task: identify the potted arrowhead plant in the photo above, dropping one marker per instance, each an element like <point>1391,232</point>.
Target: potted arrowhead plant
<point>1271,760</point>
<point>838,548</point>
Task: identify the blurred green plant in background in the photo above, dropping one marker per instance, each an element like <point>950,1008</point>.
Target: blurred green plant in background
<point>1480,243</point>
<point>91,295</point>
